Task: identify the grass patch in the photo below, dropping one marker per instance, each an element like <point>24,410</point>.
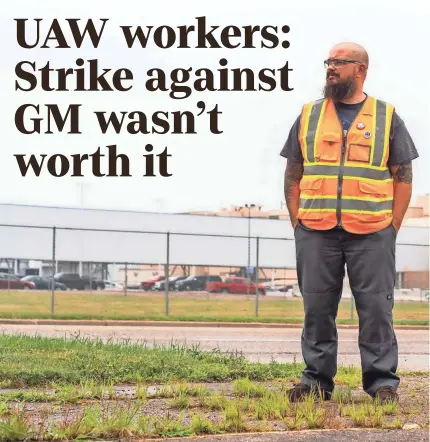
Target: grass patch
<point>182,401</point>
<point>202,307</point>
<point>366,415</point>
<point>235,420</point>
<point>273,405</point>
<point>35,361</point>
<point>30,361</point>
<point>342,395</point>
<point>245,387</point>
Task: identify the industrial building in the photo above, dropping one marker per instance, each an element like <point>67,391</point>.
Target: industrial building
<point>108,243</point>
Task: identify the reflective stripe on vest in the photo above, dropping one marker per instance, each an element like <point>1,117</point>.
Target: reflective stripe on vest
<point>346,179</point>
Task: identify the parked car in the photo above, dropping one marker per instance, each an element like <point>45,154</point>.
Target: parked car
<point>75,281</point>
<point>160,285</point>
<point>286,288</point>
<point>14,282</point>
<point>149,285</point>
<point>196,282</point>
<point>41,283</point>
<point>112,285</point>
<point>235,285</point>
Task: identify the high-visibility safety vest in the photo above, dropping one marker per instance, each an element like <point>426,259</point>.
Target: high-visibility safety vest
<point>346,180</point>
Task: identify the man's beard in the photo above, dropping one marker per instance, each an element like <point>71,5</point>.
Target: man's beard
<point>341,89</point>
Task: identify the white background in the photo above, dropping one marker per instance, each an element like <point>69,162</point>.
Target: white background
<point>209,172</point>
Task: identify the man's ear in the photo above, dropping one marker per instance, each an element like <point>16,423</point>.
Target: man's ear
<point>362,70</point>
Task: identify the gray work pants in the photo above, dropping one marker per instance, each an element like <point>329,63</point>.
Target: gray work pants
<point>370,262</point>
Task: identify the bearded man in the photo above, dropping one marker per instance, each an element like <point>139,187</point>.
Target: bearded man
<point>348,184</point>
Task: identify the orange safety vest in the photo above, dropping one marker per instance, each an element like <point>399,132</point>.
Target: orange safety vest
<point>346,180</point>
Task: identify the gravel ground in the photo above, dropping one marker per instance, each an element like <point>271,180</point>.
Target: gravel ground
<point>413,409</point>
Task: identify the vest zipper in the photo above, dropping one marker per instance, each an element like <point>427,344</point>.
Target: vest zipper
<point>340,179</point>
<point>342,161</point>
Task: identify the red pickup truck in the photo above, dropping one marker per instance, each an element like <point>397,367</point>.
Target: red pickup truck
<point>235,285</point>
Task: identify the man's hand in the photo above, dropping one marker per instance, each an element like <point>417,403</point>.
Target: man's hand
<point>402,175</point>
<point>293,176</point>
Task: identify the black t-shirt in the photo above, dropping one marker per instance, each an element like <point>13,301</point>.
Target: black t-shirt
<point>401,146</point>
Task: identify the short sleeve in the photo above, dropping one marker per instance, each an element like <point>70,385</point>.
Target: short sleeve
<point>402,147</point>
<point>291,149</point>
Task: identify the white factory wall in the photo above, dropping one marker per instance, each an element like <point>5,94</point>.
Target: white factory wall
<point>412,252</point>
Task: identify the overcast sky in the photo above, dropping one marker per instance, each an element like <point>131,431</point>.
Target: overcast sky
<point>243,164</point>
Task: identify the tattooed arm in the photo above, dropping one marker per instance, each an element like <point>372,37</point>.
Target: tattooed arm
<point>293,175</point>
<point>402,175</point>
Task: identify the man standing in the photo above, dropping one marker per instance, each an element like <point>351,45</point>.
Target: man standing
<point>348,184</point>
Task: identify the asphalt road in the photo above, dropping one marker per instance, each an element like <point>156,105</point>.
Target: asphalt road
<point>257,344</point>
<point>320,436</point>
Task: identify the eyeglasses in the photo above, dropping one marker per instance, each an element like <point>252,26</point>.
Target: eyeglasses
<point>338,62</point>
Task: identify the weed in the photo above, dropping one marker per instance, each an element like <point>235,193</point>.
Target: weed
<point>234,419</point>
<point>141,392</point>
<point>312,415</point>
<point>389,408</point>
<point>246,404</point>
<point>118,422</point>
<point>165,391</point>
<point>217,401</point>
<point>294,423</point>
<point>272,405</point>
<point>366,415</point>
<point>15,427</point>
<point>202,396</point>
<point>245,387</point>
<point>143,425</point>
<point>201,425</point>
<point>77,426</point>
<point>4,409</point>
<point>348,376</point>
<point>181,401</point>
<point>166,426</point>
<point>342,396</point>
<point>396,424</point>
<point>200,391</point>
<point>363,398</point>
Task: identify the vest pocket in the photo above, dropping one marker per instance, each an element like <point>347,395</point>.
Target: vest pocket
<point>329,148</point>
<point>359,153</point>
<point>311,184</point>
<point>373,189</point>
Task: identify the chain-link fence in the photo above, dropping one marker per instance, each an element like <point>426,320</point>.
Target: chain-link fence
<point>79,273</point>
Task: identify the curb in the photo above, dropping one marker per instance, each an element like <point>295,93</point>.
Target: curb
<point>113,323</point>
<point>284,433</point>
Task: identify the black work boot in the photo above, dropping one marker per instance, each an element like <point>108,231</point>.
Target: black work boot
<point>301,391</point>
<point>386,394</point>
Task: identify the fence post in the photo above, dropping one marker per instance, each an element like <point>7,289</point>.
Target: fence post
<point>54,235</point>
<point>257,271</point>
<point>166,274</point>
<point>8,273</point>
<point>125,278</point>
<point>91,277</point>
